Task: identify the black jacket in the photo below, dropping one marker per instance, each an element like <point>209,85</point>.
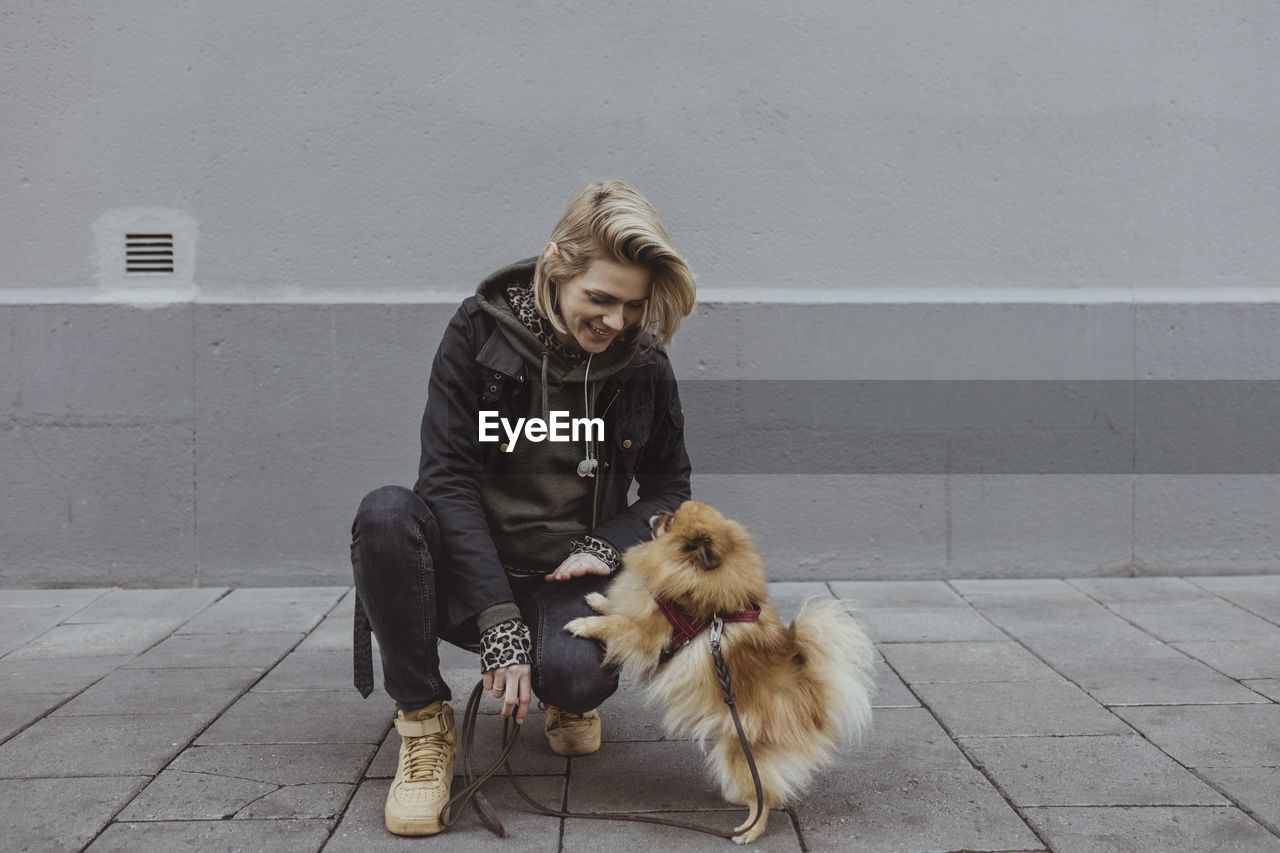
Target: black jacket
<point>476,368</point>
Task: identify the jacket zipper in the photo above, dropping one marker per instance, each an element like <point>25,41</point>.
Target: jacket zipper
<point>595,498</point>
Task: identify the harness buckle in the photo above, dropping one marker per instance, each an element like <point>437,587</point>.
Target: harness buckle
<point>717,629</point>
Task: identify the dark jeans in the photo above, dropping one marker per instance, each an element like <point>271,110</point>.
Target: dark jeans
<point>395,548</point>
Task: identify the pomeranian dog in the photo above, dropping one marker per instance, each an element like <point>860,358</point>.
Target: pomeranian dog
<point>802,691</point>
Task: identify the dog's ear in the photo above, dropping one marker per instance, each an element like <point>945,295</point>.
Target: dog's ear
<point>704,552</point>
<point>660,523</point>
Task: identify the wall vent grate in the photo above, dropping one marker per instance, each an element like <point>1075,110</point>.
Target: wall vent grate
<point>148,253</point>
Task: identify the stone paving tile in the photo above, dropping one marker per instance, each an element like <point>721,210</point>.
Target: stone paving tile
<point>653,776</point>
<point>900,595</point>
<point>325,670</point>
<point>453,657</point>
<point>179,795</point>
<point>1119,591</point>
<point>789,596</point>
<point>908,788</point>
<point>461,679</point>
<point>278,836</point>
<point>1215,736</point>
<point>299,801</point>
<point>61,814</point>
<point>1256,658</point>
<point>362,829</point>
<point>940,663</point>
<point>1269,687</point>
<point>98,746</point>
<point>998,590</point>
<point>625,716</point>
<point>60,675</point>
<point>891,692</point>
<point>1211,620</point>
<point>927,625</point>
<point>798,591</point>
<point>1142,830</point>
<point>21,625</point>
<point>70,600</point>
<point>1259,594</point>
<point>1018,709</point>
<point>1153,679</point>
<point>590,836</point>
<point>904,810</point>
<point>182,795</point>
<point>1058,612</point>
<point>20,710</point>
<point>335,632</point>
<point>131,605</point>
<point>905,739</point>
<point>1102,770</point>
<point>1115,662</point>
<point>279,763</point>
<point>311,717</point>
<point>256,651</point>
<point>1256,789</point>
<point>266,610</point>
<point>161,691</point>
<point>94,640</point>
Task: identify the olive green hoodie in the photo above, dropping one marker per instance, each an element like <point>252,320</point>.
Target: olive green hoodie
<point>535,502</point>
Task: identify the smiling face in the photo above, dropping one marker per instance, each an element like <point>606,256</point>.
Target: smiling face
<point>599,303</point>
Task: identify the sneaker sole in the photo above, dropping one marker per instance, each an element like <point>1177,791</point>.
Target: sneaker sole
<point>411,827</point>
<point>569,750</point>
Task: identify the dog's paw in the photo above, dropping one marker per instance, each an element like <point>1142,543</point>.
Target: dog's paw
<point>597,602</point>
<point>577,627</point>
<point>755,831</point>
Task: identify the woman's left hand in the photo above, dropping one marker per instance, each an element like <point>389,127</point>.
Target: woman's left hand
<point>577,565</point>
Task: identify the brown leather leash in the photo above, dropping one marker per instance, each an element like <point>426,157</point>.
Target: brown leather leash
<point>470,793</point>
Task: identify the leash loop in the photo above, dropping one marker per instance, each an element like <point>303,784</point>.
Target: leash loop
<point>470,793</point>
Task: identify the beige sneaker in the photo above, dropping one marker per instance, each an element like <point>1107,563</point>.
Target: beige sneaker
<point>425,771</point>
<point>572,734</point>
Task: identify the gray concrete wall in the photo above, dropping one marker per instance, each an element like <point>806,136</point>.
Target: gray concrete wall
<point>891,191</point>
<point>230,444</point>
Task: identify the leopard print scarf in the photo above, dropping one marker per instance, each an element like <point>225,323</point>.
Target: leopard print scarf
<point>520,298</point>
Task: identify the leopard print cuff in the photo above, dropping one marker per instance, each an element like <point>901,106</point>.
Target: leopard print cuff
<point>505,644</point>
<point>599,548</point>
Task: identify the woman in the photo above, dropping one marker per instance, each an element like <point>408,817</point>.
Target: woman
<point>505,533</point>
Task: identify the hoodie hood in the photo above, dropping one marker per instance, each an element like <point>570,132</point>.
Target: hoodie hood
<point>547,366</point>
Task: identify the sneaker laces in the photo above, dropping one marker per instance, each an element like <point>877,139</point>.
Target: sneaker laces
<point>425,758</point>
<point>568,719</point>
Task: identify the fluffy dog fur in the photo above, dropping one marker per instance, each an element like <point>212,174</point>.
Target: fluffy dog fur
<point>801,690</point>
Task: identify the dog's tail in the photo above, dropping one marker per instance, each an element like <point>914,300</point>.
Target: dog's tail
<point>838,654</point>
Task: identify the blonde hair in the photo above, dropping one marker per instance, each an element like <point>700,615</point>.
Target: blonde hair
<point>611,220</point>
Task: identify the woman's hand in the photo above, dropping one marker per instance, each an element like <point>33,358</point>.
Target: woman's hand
<point>577,565</point>
<point>514,686</point>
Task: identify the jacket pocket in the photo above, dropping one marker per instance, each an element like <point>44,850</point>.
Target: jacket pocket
<point>630,435</point>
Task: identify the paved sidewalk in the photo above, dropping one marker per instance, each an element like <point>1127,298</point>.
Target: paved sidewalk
<point>1027,715</point>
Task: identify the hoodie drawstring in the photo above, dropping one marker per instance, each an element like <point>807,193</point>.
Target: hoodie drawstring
<point>545,406</point>
<point>587,467</point>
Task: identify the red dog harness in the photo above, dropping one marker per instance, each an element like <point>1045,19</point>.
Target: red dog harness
<point>684,629</point>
